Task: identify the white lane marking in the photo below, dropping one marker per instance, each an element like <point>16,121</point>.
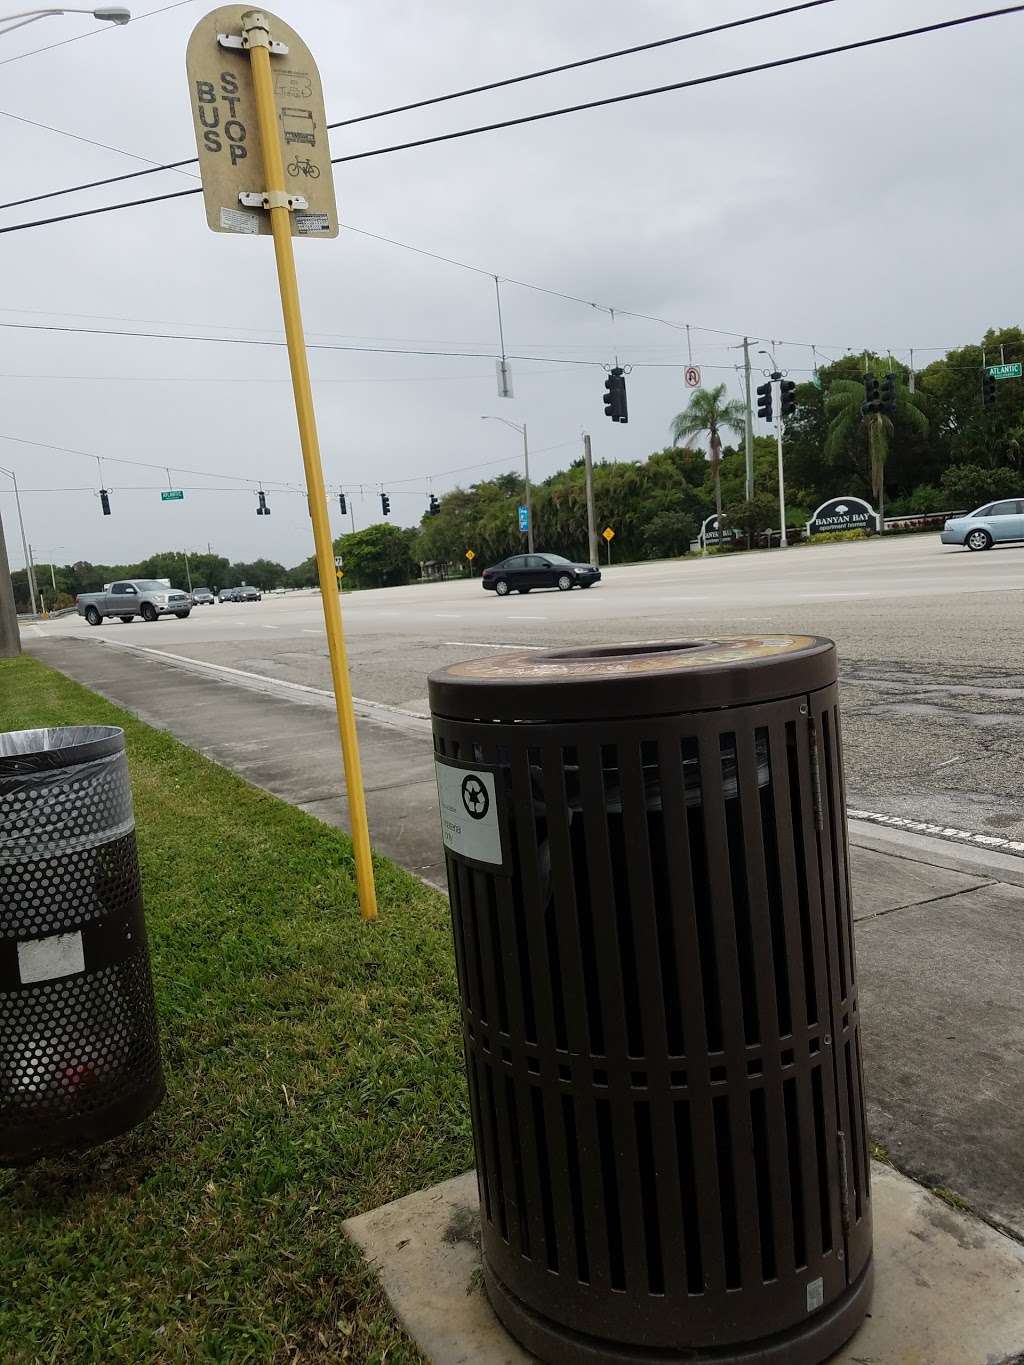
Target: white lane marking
<point>487,644</point>
<point>306,631</point>
<point>991,841</point>
<point>523,617</point>
<point>273,684</point>
<point>448,615</point>
<point>266,627</point>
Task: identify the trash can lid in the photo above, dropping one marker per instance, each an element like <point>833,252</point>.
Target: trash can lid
<point>57,746</point>
<point>662,678</point>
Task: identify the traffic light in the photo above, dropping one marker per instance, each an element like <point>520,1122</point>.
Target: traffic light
<point>988,388</point>
<point>262,509</point>
<point>889,395</point>
<point>105,502</point>
<point>342,504</point>
<point>615,395</point>
<point>385,504</point>
<point>787,397</point>
<point>434,508</point>
<point>764,401</point>
<point>872,395</point>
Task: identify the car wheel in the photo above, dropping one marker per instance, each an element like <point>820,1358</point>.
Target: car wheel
<point>524,591</point>
<point>181,615</point>
<point>564,582</point>
<point>125,619</point>
<point>93,616</point>
<point>501,587</point>
<point>148,611</point>
<point>979,540</point>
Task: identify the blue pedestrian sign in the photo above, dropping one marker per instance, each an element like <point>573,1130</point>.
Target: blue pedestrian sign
<point>524,519</point>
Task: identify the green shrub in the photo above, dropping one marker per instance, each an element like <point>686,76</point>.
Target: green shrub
<point>832,537</point>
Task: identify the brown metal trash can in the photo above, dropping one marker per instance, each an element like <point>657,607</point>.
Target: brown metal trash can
<point>79,1052</point>
<point>648,868</point>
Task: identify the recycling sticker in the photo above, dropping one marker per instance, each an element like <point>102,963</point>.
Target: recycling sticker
<point>471,825</point>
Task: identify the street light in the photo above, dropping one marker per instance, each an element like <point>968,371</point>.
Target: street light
<point>776,377</point>
<point>49,557</point>
<point>24,543</point>
<point>107,14</point>
<point>526,467</point>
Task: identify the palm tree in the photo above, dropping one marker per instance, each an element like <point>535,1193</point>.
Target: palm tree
<point>843,405</point>
<point>709,413</point>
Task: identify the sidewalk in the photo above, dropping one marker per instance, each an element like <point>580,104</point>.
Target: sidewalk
<point>940,927</point>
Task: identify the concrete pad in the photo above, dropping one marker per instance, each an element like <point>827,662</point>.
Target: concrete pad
<point>942,1014</point>
<point>883,883</point>
<point>948,1289</point>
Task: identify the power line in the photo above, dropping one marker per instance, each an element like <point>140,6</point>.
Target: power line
<point>688,84</point>
<point>608,101</point>
<point>91,142</point>
<point>312,346</point>
<point>137,19</point>
<point>424,103</point>
<point>140,464</point>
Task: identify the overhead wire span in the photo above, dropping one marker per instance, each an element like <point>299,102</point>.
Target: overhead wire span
<point>523,119</point>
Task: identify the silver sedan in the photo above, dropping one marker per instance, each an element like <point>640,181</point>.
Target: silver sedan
<point>980,530</point>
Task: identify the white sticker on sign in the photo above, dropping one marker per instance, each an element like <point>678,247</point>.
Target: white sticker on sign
<point>46,959</point>
<point>312,222</point>
<point>238,220</point>
<point>469,813</point>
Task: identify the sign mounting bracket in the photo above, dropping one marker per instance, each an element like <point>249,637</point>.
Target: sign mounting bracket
<point>272,199</point>
<point>237,40</point>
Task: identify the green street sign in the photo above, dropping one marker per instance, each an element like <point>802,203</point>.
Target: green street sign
<point>1012,371</point>
<point>172,495</point>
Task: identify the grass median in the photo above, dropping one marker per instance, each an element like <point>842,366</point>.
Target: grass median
<point>314,1071</point>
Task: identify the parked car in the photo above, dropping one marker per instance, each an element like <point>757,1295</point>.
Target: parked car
<point>202,597</point>
<point>980,530</point>
<point>524,572</point>
<point>131,597</point>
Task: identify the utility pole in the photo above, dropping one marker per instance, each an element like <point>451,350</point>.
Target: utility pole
<point>748,435</point>
<point>10,639</point>
<point>188,573</point>
<point>24,542</point>
<point>529,508</point>
<point>591,524</point>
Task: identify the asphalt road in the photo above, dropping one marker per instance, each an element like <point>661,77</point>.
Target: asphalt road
<point>931,650</point>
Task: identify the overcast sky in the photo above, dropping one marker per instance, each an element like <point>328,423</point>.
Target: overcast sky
<point>870,199</point>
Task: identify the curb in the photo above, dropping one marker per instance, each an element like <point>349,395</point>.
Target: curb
<point>972,858</point>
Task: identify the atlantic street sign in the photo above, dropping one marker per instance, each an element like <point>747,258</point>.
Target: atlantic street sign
<point>172,495</point>
<point>1009,371</point>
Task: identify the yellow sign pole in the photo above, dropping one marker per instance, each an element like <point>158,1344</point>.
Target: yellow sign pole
<point>257,39</point>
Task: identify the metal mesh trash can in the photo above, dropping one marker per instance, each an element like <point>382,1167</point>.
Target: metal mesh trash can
<point>647,862</point>
<point>79,1053</point>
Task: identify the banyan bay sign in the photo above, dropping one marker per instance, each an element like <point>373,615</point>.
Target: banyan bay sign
<point>711,533</point>
<point>843,514</point>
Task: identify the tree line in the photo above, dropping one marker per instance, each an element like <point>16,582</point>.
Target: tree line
<point>941,450</point>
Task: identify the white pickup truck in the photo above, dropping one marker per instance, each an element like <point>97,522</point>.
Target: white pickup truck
<point>130,597</point>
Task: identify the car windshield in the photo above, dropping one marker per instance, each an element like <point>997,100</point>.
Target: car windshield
<point>150,585</point>
<point>200,589</point>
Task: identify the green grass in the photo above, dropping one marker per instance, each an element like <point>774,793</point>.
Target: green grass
<point>314,1071</point>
